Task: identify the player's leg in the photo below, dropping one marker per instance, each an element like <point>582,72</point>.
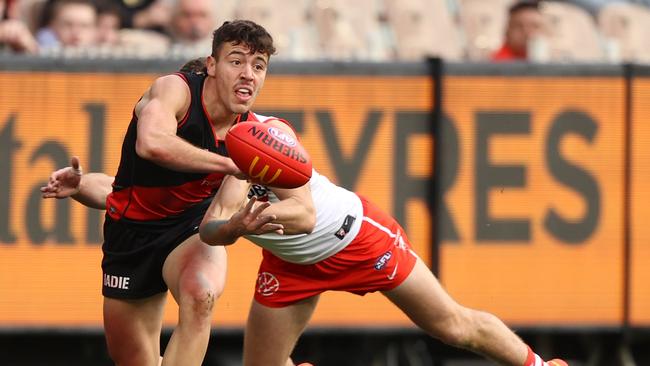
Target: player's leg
<point>195,274</point>
<point>132,329</point>
<point>271,333</point>
<point>423,299</point>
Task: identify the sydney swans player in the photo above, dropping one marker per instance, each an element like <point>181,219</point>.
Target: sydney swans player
<point>329,238</point>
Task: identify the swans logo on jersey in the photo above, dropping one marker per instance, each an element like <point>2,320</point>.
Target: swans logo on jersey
<point>383,260</point>
<point>280,135</point>
<point>267,284</point>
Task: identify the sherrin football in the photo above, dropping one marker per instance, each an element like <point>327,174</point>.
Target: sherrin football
<point>268,155</point>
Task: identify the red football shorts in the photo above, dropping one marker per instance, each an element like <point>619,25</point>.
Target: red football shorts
<point>378,259</point>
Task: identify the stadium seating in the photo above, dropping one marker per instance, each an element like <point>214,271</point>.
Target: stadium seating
<point>482,24</point>
<point>626,27</point>
<point>423,28</point>
<point>284,25</point>
<point>408,30</point>
<point>347,31</point>
<point>572,34</point>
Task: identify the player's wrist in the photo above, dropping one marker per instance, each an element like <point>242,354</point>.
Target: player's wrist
<point>233,231</point>
<point>76,191</point>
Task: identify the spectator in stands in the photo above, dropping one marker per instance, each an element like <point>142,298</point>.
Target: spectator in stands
<point>191,26</point>
<point>109,22</point>
<point>190,32</point>
<point>525,22</point>
<point>68,24</point>
<point>145,14</point>
<point>14,34</point>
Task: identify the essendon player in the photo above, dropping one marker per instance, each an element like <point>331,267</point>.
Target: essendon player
<point>173,161</point>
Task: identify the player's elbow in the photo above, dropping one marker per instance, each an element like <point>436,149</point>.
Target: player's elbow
<point>149,150</point>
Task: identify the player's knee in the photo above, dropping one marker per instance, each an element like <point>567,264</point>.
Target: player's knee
<point>199,303</point>
<point>455,329</point>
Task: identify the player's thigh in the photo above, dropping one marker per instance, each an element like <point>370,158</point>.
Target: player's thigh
<point>132,329</point>
<point>271,333</point>
<point>424,300</point>
<point>194,267</point>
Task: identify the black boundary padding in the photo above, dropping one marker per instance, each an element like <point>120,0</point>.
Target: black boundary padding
<point>434,196</point>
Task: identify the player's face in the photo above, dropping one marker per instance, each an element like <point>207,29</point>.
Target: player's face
<point>239,76</point>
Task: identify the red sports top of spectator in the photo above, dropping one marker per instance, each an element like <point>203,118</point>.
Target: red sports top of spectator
<point>525,21</point>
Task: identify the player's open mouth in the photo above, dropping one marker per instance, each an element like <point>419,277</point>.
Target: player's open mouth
<point>244,94</point>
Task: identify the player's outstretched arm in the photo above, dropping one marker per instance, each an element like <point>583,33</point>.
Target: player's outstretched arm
<point>230,215</point>
<point>88,189</point>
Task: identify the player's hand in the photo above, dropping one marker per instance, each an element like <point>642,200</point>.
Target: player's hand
<point>249,220</point>
<point>241,176</point>
<point>64,182</point>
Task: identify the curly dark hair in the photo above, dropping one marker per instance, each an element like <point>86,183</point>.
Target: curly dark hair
<point>196,66</point>
<point>247,32</point>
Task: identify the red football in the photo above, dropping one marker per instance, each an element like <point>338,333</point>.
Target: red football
<point>268,155</point>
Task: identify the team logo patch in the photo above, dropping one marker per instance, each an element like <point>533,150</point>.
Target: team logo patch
<point>267,284</point>
<point>383,260</point>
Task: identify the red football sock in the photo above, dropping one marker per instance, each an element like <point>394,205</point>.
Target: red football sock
<point>533,359</point>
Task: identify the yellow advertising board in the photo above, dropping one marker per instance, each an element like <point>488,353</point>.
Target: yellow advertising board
<point>640,204</point>
<point>531,218</point>
<point>530,223</point>
<point>50,251</point>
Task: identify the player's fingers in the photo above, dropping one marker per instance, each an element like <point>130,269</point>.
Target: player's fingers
<point>264,219</point>
<point>250,204</point>
<point>261,207</point>
<point>76,166</point>
<point>266,225</point>
<point>270,228</point>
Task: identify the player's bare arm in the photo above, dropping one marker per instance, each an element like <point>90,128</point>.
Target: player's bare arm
<point>159,111</point>
<point>295,210</point>
<point>88,189</point>
<point>231,215</point>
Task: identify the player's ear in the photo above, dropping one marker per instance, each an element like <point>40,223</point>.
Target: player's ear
<point>211,65</point>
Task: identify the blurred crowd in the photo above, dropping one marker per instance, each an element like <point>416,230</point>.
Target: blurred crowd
<point>367,30</point>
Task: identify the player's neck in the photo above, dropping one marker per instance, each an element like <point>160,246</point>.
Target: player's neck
<point>217,113</point>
